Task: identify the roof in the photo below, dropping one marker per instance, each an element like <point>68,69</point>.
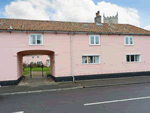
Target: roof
<point>42,25</point>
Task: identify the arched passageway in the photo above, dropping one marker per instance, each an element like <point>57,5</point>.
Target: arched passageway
<point>23,53</point>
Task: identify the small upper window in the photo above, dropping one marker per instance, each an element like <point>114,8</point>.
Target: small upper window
<point>32,56</point>
<point>37,56</point>
<point>94,40</point>
<point>36,39</point>
<point>128,40</point>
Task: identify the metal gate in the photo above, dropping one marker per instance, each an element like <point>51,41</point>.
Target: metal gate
<point>31,66</point>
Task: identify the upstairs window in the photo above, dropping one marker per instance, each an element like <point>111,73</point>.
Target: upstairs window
<point>133,58</point>
<point>128,40</point>
<point>37,56</point>
<point>36,39</point>
<point>94,40</point>
<point>32,56</point>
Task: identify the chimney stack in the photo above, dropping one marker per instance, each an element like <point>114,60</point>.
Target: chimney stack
<point>97,18</point>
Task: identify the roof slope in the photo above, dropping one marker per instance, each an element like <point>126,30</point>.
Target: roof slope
<point>42,25</point>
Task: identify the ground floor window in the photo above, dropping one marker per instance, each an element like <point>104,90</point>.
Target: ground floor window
<point>31,62</point>
<point>90,59</point>
<point>39,62</point>
<point>133,58</point>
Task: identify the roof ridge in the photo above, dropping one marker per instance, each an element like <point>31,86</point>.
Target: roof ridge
<point>46,20</point>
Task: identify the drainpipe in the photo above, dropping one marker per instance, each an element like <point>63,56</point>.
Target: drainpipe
<point>72,60</point>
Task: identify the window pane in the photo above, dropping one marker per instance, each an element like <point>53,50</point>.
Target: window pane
<point>37,56</point>
<point>32,56</point>
<point>132,58</point>
<point>41,62</point>
<point>84,59</point>
<point>137,57</point>
<point>131,40</point>
<point>90,59</point>
<point>96,59</point>
<point>92,40</point>
<point>127,56</point>
<point>126,40</point>
<point>97,40</point>
<point>39,39</point>
<point>32,39</point>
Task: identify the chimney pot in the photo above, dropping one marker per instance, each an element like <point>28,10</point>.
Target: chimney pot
<point>97,14</point>
<point>97,18</point>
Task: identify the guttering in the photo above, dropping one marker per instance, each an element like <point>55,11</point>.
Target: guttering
<point>72,60</point>
<point>77,32</point>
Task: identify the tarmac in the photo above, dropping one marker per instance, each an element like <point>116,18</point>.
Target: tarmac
<point>44,84</point>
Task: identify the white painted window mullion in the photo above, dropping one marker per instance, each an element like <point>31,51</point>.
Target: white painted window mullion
<point>129,58</point>
<point>93,59</point>
<point>87,60</point>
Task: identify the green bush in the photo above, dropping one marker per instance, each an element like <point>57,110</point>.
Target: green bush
<point>24,65</point>
<point>34,65</point>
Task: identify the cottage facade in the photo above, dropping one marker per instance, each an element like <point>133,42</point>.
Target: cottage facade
<point>77,50</point>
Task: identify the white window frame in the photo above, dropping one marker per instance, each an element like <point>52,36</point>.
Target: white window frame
<point>32,56</point>
<point>39,61</point>
<point>93,58</point>
<point>38,56</point>
<point>129,40</point>
<point>36,39</point>
<point>134,58</point>
<point>94,40</point>
<point>32,62</point>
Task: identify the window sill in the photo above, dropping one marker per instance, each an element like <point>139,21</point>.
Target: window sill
<point>35,44</point>
<point>133,62</point>
<point>92,63</point>
<point>94,44</point>
<point>129,44</point>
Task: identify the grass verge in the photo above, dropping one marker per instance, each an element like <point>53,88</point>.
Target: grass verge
<point>45,69</point>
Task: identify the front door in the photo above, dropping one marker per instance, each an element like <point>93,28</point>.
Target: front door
<point>48,63</point>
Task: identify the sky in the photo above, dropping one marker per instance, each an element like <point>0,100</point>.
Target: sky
<point>134,12</point>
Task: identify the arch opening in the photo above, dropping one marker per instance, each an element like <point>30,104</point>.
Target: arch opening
<point>25,53</point>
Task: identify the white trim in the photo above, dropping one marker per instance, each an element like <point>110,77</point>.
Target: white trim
<point>40,62</point>
<point>36,39</point>
<point>93,58</point>
<point>94,39</point>
<point>134,58</point>
<point>128,40</point>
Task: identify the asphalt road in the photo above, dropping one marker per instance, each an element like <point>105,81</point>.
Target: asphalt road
<point>113,99</point>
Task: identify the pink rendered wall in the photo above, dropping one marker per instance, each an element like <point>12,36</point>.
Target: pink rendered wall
<point>12,43</point>
<point>43,58</point>
<point>112,51</point>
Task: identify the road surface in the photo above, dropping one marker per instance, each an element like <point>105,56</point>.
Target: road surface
<point>113,99</point>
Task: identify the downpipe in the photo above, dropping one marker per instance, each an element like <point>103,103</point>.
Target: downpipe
<point>72,61</point>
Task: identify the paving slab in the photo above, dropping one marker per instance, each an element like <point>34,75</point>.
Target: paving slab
<point>115,81</point>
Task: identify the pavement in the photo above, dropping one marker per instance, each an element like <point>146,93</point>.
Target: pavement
<point>47,84</point>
